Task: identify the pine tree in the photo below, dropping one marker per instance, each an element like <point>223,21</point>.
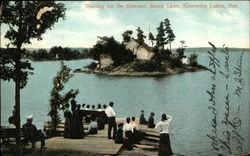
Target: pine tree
<point>160,38</point>
<point>169,32</point>
<point>59,101</point>
<point>151,38</point>
<point>140,36</point>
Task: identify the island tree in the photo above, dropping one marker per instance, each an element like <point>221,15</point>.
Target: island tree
<point>160,37</point>
<point>169,32</point>
<point>151,38</point>
<point>24,25</point>
<point>127,36</point>
<point>140,35</point>
<point>117,51</point>
<point>193,60</point>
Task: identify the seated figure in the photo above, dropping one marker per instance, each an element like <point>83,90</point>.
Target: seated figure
<point>137,135</point>
<point>151,123</point>
<point>11,125</point>
<point>142,120</point>
<point>33,134</point>
<point>93,128</point>
<point>129,137</point>
<point>119,134</point>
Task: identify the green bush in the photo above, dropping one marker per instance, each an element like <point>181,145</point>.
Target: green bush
<point>193,60</point>
<point>92,66</point>
<point>147,66</point>
<point>175,62</point>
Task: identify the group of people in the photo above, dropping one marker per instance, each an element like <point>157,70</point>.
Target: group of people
<point>93,107</point>
<point>74,120</point>
<point>162,128</point>
<point>149,122</point>
<point>127,133</point>
<point>33,134</point>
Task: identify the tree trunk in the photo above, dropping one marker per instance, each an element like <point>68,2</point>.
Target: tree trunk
<point>17,97</point>
<point>170,45</point>
<point>18,74</point>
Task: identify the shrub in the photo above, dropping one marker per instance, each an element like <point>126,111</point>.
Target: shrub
<point>193,59</point>
<point>175,62</point>
<point>91,66</point>
<point>147,66</point>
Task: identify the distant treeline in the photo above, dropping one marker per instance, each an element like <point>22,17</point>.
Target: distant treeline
<point>58,53</point>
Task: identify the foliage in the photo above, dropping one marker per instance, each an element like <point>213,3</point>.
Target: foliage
<point>7,70</point>
<point>127,36</point>
<point>59,101</point>
<point>21,31</point>
<point>96,51</point>
<point>180,52</point>
<point>147,66</point>
<point>169,32</point>
<point>21,18</point>
<point>161,55</point>
<point>67,53</point>
<point>193,60</point>
<point>165,34</point>
<point>175,62</point>
<point>92,65</point>
<point>140,35</point>
<point>22,22</point>
<point>160,38</point>
<point>182,43</point>
<point>151,38</point>
<point>59,53</point>
<point>108,45</point>
<point>40,54</point>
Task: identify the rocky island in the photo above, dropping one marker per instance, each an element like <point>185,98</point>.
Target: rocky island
<point>133,57</point>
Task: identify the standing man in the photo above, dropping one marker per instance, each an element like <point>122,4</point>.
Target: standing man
<point>111,120</point>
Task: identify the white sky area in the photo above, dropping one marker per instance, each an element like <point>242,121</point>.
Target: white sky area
<point>197,26</point>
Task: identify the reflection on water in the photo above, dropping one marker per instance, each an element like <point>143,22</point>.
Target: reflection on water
<point>182,96</point>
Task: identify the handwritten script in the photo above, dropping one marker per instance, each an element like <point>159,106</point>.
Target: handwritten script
<point>225,131</point>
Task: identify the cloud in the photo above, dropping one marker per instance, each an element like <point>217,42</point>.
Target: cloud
<point>229,15</point>
<point>83,25</point>
<point>93,15</point>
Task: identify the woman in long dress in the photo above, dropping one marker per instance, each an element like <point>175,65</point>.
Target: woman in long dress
<point>164,143</point>
<point>67,126</point>
<point>77,124</point>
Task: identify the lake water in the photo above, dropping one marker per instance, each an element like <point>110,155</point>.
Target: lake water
<point>182,96</point>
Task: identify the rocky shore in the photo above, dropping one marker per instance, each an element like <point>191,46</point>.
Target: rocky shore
<point>121,71</point>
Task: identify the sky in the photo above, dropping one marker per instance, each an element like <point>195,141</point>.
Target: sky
<point>196,26</point>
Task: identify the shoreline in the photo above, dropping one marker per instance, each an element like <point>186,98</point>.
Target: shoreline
<point>143,74</point>
<point>46,60</point>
